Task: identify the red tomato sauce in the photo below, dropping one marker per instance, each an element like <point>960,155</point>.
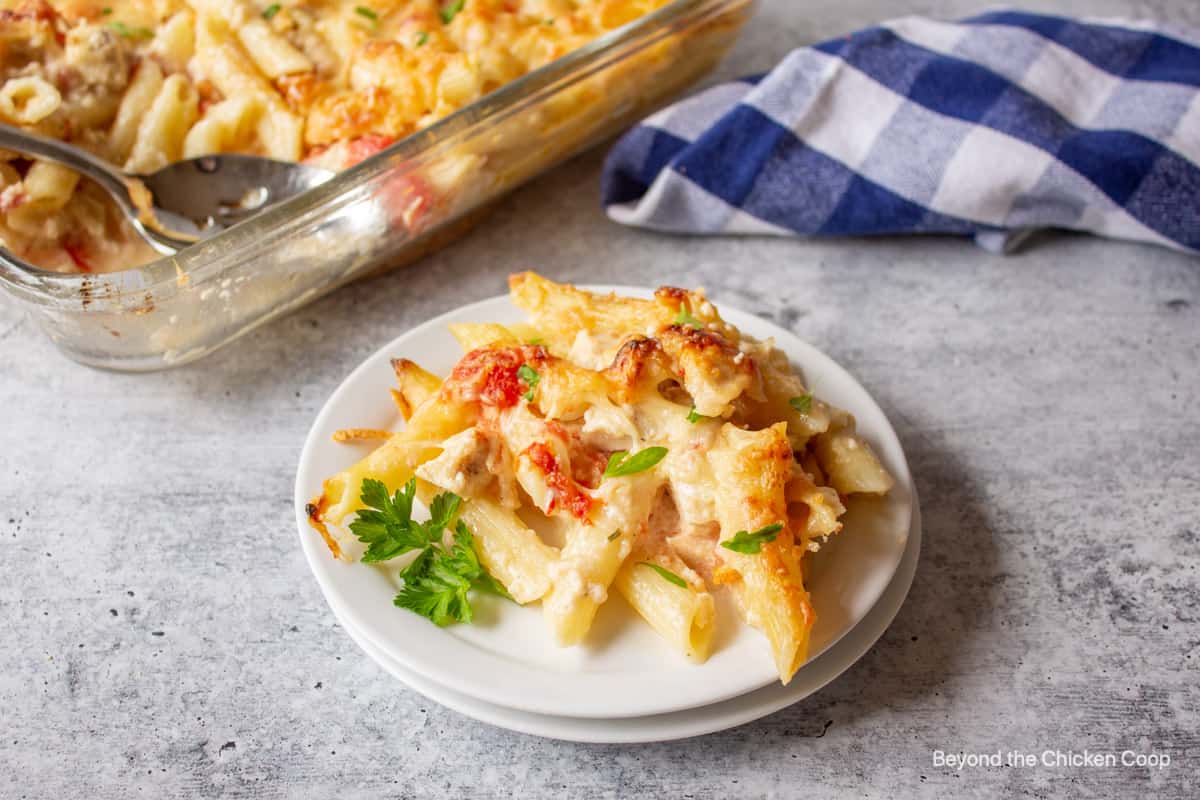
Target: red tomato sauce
<point>489,375</point>
<point>566,493</point>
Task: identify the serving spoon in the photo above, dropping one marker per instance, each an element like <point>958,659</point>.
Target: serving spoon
<point>184,201</point>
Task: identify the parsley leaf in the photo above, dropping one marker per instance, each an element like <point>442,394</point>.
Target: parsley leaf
<point>693,417</point>
<point>621,463</point>
<point>270,11</point>
<point>684,317</point>
<point>614,535</point>
<point>369,13</point>
<point>422,38</point>
<point>386,525</point>
<point>451,11</point>
<point>531,377</point>
<point>434,592</point>
<point>538,340</point>
<point>486,583</point>
<point>436,583</point>
<point>441,511</point>
<point>131,33</point>
<point>666,574</point>
<point>106,11</point>
<point>803,403</point>
<point>751,543</point>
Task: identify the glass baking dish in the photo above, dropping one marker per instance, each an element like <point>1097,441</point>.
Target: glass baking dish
<point>389,210</point>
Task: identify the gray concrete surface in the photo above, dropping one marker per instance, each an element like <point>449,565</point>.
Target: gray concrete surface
<point>161,636</point>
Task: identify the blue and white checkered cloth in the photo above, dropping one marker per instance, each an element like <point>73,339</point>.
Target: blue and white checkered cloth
<point>993,127</point>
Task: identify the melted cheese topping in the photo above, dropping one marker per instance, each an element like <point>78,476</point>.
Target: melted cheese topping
<point>750,477</point>
<point>143,83</point>
<point>618,386</point>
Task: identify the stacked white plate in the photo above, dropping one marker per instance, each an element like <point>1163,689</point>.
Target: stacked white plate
<point>625,684</point>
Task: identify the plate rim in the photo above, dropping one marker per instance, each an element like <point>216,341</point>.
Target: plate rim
<point>689,723</point>
<point>584,704</point>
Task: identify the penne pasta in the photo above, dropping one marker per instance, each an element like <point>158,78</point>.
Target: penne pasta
<point>416,386</point>
<point>395,461</point>
<point>512,553</point>
<point>143,84</point>
<point>850,463</point>
<point>145,87</point>
<point>751,470</point>
<point>49,186</point>
<point>683,615</point>
<point>28,100</point>
<point>228,125</point>
<point>160,136</point>
<point>175,41</point>
<point>272,54</point>
<point>675,463</point>
<point>586,567</point>
<point>473,335</point>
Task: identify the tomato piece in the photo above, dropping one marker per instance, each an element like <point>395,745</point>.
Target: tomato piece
<point>567,493</point>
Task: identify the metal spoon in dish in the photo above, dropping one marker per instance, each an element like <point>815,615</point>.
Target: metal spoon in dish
<point>185,201</point>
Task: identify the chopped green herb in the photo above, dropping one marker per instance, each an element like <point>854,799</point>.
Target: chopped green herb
<point>530,376</point>
<point>693,417</point>
<point>451,11</point>
<point>666,574</point>
<point>614,535</point>
<point>751,543</point>
<point>106,11</point>
<point>422,38</point>
<point>128,32</point>
<point>684,317</point>
<point>621,463</point>
<point>803,403</point>
<point>369,13</point>
<point>538,340</point>
<point>271,10</point>
<point>436,582</point>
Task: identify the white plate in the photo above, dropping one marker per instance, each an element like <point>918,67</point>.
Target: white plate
<point>507,657</point>
<point>681,724</point>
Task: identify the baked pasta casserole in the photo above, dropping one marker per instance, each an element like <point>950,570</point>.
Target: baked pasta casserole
<point>644,446</point>
<point>143,83</point>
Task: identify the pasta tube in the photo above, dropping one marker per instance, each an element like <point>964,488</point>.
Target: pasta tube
<point>682,615</point>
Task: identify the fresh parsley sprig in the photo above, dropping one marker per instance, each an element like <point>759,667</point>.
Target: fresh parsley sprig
<point>803,403</point>
<point>386,525</point>
<point>622,463</point>
<point>436,582</point>
<point>751,543</point>
<point>665,574</point>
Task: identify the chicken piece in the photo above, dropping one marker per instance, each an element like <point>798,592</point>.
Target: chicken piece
<point>462,466</point>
